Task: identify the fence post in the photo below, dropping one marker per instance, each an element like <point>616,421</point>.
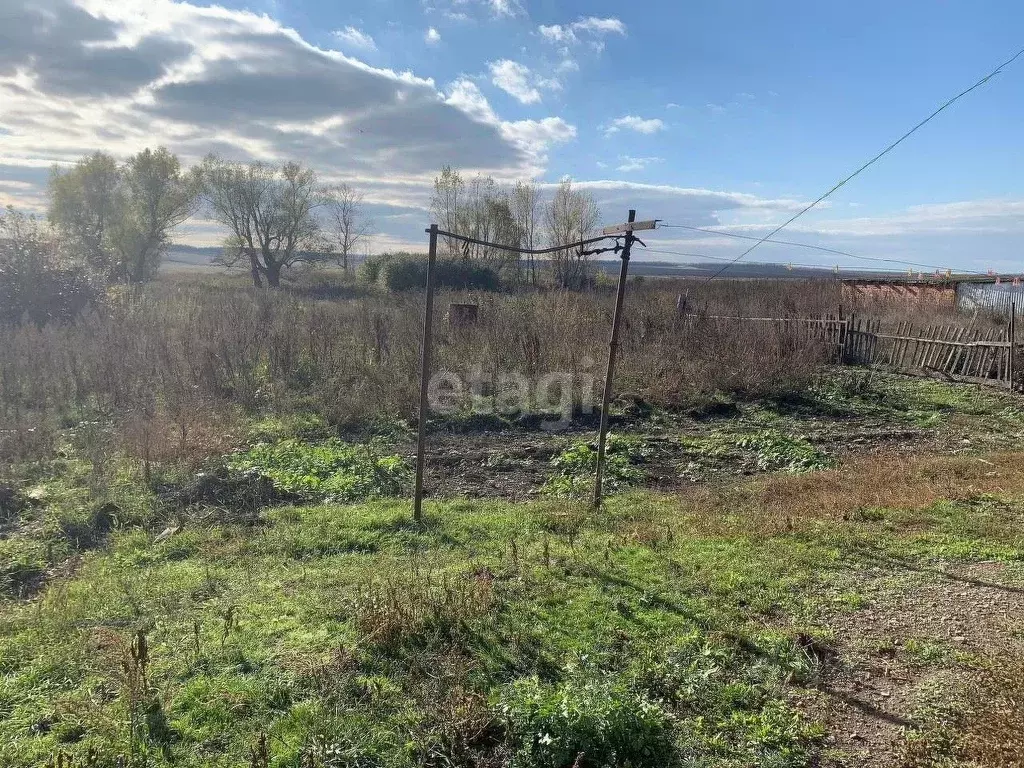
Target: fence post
<point>428,323</point>
<point>1012,360</point>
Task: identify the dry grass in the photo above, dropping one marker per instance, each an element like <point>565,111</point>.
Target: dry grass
<point>783,502</point>
<point>420,603</point>
<point>992,735</point>
<point>173,367</point>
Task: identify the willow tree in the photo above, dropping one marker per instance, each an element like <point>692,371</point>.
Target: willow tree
<point>119,217</point>
<point>271,212</point>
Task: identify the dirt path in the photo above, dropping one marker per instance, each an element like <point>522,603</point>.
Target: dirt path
<point>921,644</point>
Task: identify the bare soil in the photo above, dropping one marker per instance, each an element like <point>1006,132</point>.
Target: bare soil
<point>514,464</point>
<point>925,637</point>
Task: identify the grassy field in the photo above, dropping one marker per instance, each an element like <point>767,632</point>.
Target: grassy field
<point>832,578</point>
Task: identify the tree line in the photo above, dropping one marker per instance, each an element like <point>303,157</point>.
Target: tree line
<point>517,217</point>
<point>114,221</point>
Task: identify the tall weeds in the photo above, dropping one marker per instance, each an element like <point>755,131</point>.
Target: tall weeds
<point>174,365</point>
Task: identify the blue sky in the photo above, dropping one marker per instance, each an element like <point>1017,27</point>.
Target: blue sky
<point>720,114</point>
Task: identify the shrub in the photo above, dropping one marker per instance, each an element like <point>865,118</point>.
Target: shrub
<point>408,272</point>
<point>35,281</point>
<point>586,722</point>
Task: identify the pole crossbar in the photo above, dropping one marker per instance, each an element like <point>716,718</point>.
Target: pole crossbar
<point>530,251</point>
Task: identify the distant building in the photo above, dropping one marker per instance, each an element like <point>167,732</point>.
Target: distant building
<point>996,293</point>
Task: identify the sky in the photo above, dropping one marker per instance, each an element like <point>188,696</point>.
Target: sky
<point>724,114</point>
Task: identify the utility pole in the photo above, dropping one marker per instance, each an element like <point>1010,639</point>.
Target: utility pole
<point>428,323</point>
<point>628,228</point>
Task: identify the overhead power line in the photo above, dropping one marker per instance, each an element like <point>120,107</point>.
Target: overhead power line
<point>870,162</point>
<point>811,246</point>
<point>798,264</point>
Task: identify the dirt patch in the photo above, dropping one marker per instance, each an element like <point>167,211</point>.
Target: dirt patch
<point>926,635</point>
<point>514,464</point>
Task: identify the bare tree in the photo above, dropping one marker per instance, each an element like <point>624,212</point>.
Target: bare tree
<point>349,225</point>
<point>525,204</point>
<point>272,214</point>
<point>571,216</point>
<point>444,205</point>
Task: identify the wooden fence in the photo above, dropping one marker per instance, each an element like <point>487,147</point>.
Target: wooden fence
<point>829,330</point>
<point>961,354</point>
<point>951,352</point>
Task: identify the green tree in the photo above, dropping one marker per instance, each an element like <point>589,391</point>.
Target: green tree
<point>119,218</point>
<point>85,203</point>
<point>157,197</point>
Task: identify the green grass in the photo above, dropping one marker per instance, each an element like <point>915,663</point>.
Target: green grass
<point>533,632</point>
<point>334,631</point>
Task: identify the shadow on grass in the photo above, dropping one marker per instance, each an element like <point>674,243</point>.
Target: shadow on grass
<point>882,558</point>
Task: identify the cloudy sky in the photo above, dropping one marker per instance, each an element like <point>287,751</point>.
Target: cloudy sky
<point>729,115</point>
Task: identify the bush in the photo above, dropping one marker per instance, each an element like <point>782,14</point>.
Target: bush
<point>36,282</point>
<point>408,272</point>
<point>584,723</point>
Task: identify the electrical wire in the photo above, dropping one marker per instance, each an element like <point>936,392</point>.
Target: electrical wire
<point>531,251</point>
<point>870,162</point>
<point>797,264</point>
<point>822,248</point>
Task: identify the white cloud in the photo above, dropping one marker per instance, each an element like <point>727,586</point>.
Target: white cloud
<point>355,38</point>
<point>538,135</point>
<point>533,137</point>
<point>519,82</point>
<point>514,79</point>
<point>978,216</point>
<point>464,10</point>
<point>556,33</point>
<point>635,123</point>
<point>505,7</point>
<point>629,163</point>
<point>432,36</point>
<point>600,26</point>
<point>590,26</point>
<point>81,75</point>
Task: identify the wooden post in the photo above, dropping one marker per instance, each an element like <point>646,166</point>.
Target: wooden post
<point>613,345</point>
<point>1012,359</point>
<point>428,323</point>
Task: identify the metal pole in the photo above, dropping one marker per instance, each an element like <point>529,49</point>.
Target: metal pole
<point>613,345</point>
<point>428,323</point>
<point>1012,362</point>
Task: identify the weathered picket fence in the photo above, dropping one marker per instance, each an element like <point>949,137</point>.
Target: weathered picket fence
<point>984,356</point>
<point>957,353</point>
